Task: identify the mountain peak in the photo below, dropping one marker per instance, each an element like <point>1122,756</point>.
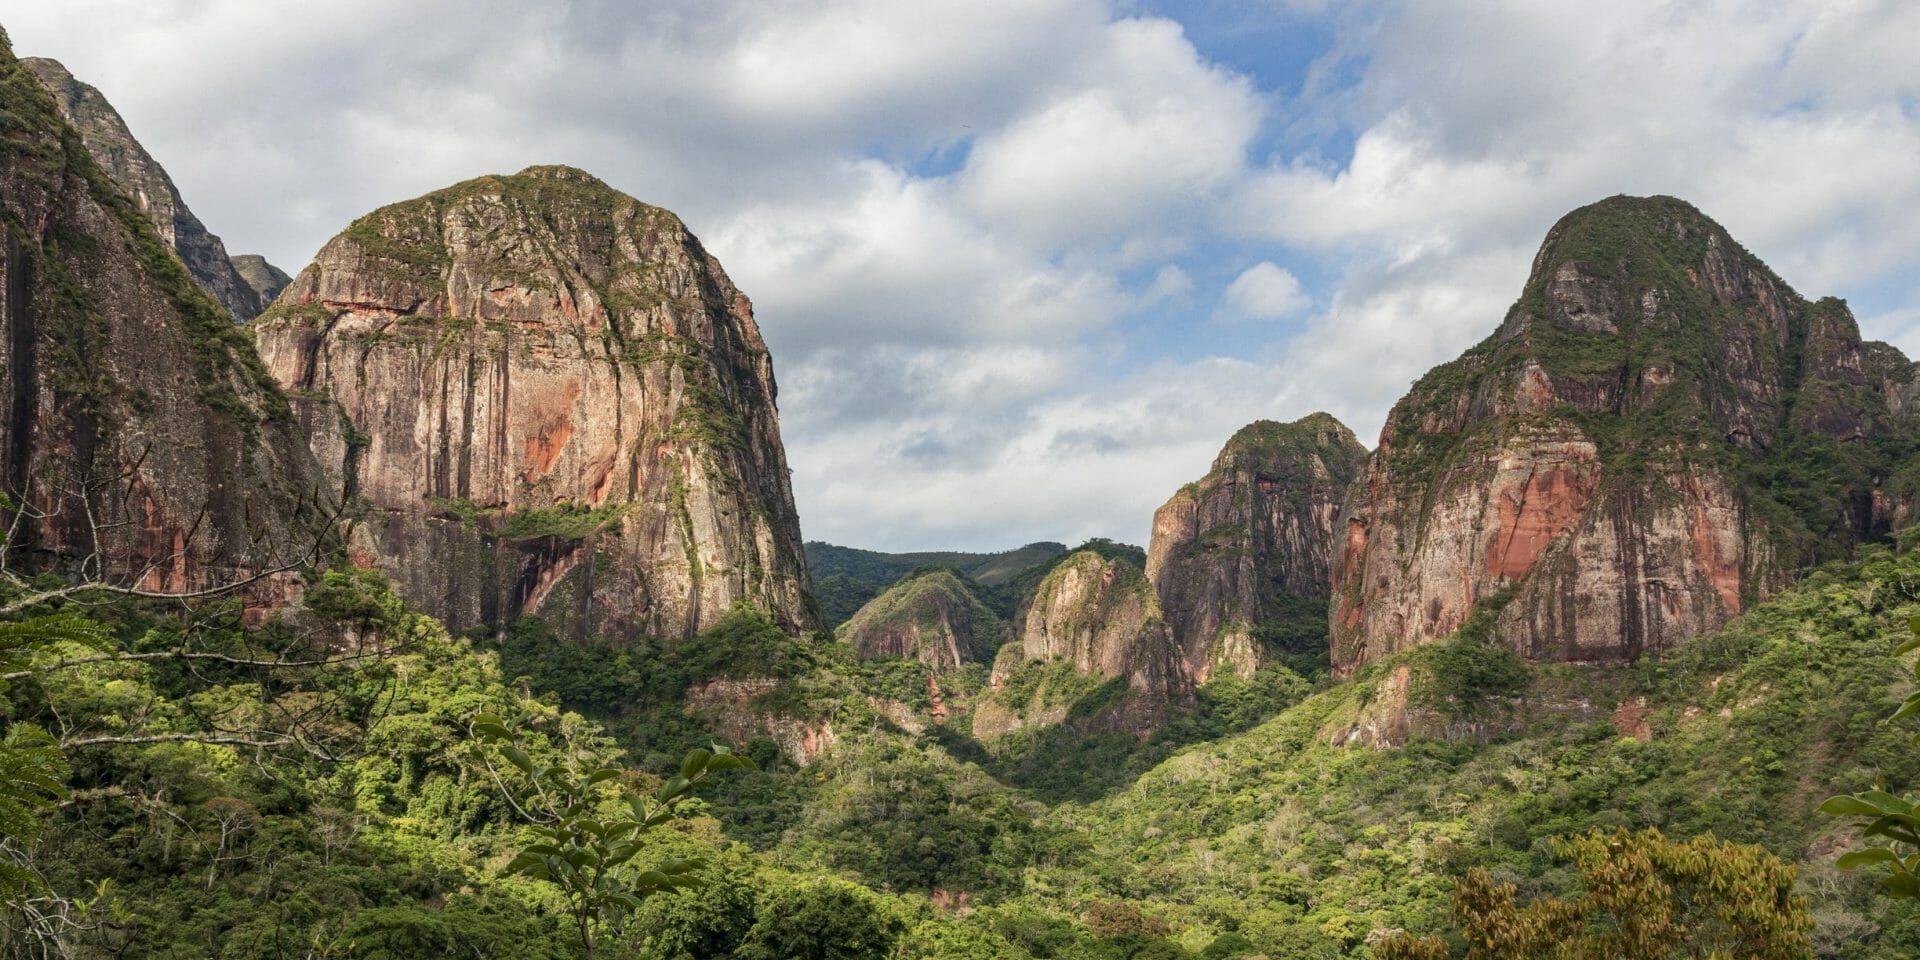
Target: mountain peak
<point>1605,476</point>
<point>1239,556</point>
<point>543,361</point>
<point>561,172</point>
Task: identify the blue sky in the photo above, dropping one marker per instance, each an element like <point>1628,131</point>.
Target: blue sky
<point>1025,264</point>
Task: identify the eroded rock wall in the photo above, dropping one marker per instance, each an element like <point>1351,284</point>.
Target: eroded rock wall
<point>547,397</point>
<point>146,183</point>
<point>1621,465</point>
<point>1248,546</point>
<point>134,410</point>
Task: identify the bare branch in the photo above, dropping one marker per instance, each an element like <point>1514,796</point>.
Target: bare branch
<point>222,739</point>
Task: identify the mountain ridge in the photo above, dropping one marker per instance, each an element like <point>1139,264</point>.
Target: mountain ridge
<point>146,182</point>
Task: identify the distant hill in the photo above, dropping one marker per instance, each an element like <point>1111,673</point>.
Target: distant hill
<point>845,578</point>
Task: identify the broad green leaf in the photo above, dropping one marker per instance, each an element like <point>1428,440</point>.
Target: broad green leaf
<point>1860,858</point>
<point>518,758</point>
<point>695,763</point>
<point>1887,802</point>
<point>1849,807</point>
<point>674,787</point>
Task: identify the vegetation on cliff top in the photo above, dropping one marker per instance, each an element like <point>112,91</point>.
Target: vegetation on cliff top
<point>929,603</point>
<point>1284,452</point>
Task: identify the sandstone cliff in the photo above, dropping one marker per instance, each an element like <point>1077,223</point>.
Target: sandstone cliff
<point>1659,433</point>
<point>545,396</point>
<point>129,392</point>
<point>1240,558</point>
<point>932,618</point>
<point>1096,617</point>
<point>265,279</point>
<point>123,159</point>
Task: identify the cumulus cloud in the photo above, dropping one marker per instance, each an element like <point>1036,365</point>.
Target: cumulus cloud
<point>1139,139</point>
<point>1264,291</point>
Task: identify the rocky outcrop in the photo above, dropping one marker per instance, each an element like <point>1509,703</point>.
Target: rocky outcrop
<point>134,409</point>
<point>546,397</point>
<point>263,278</point>
<point>1100,617</point>
<point>1659,434</point>
<point>932,618</point>
<point>123,159</point>
<point>738,711</point>
<point>1239,556</point>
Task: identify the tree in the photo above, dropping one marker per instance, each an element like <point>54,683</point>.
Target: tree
<point>590,828</point>
<point>824,920</point>
<point>1888,817</point>
<point>1646,898</point>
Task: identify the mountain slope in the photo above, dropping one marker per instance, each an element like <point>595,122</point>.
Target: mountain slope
<point>123,158</point>
<point>1661,433</point>
<point>846,578</point>
<point>1310,848</point>
<point>549,398</point>
<point>264,278</point>
<point>1241,557</point>
<point>932,618</point>
<point>1089,640</point>
<point>130,395</point>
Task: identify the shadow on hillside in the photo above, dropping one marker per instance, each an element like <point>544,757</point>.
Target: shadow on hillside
<point>1074,762</point>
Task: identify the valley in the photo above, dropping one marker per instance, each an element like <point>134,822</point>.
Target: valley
<point>401,607</point>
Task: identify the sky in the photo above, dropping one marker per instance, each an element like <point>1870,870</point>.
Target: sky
<point>1024,265</point>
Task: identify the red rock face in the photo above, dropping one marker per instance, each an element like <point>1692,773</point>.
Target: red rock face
<point>1538,493</point>
<point>136,402</point>
<point>1590,469</point>
<point>548,399</point>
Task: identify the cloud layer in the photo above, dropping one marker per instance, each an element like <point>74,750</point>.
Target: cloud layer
<point>1024,265</point>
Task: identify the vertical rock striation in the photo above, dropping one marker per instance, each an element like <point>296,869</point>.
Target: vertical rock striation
<point>1241,558</point>
<point>130,396</point>
<point>123,159</point>
<point>1098,616</point>
<point>546,396</point>
<point>1659,433</point>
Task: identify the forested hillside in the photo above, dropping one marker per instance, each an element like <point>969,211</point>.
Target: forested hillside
<point>1573,664</point>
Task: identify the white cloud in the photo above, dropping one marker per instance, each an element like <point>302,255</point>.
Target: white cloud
<point>1138,140</point>
<point>1264,291</point>
<point>1792,124</point>
<point>1169,283</point>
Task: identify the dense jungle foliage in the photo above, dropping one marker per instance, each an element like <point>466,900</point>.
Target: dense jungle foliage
<point>335,804</point>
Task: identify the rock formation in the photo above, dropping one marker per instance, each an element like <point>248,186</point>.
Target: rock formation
<point>932,618</point>
<point>1100,616</point>
<point>1659,433</point>
<point>122,157</point>
<point>130,395</point>
<point>545,396</point>
<point>1242,556</point>
<point>265,279</point>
